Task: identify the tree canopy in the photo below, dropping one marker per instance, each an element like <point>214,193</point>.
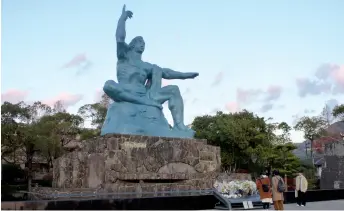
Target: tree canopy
<point>248,141</point>
<point>338,112</point>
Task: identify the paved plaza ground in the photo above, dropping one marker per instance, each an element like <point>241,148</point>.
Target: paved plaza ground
<point>323,205</point>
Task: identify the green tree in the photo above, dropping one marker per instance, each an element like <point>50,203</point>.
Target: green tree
<point>338,112</point>
<point>285,136</point>
<point>95,113</point>
<point>237,134</point>
<point>19,138</point>
<point>284,159</point>
<point>313,128</point>
<point>249,141</point>
<point>55,131</point>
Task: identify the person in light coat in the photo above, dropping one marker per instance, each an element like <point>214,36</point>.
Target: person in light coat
<point>301,189</point>
<point>277,197</point>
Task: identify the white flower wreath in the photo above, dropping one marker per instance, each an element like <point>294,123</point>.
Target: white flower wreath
<point>236,188</point>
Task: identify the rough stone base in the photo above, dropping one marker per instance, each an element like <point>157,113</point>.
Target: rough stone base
<point>127,163</point>
<point>129,190</point>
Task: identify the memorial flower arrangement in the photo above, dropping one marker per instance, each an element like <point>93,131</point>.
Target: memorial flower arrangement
<point>236,188</point>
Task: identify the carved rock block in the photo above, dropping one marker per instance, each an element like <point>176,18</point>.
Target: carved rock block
<point>109,162</point>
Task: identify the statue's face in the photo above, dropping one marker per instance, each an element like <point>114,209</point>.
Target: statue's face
<point>139,45</point>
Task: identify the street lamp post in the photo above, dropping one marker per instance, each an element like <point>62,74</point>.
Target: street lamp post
<point>254,158</point>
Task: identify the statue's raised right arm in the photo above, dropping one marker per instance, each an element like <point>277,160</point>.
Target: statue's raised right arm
<point>122,47</point>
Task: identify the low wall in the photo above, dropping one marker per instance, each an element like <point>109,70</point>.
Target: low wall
<point>163,203</point>
<point>199,202</point>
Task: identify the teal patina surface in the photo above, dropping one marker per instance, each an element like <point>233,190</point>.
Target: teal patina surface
<point>138,95</point>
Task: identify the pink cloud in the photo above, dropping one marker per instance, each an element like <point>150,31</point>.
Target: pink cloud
<point>247,96</point>
<point>14,96</point>
<point>98,95</point>
<point>65,98</point>
<point>338,75</point>
<point>165,82</point>
<point>77,60</point>
<point>273,92</point>
<point>329,78</point>
<point>232,107</point>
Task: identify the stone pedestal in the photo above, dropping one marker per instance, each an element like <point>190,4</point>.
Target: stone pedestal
<point>138,164</point>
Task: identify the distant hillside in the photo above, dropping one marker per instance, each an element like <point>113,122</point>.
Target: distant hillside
<point>300,152</point>
<point>333,130</point>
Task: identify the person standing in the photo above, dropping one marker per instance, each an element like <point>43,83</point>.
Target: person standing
<point>278,188</point>
<point>301,189</point>
<point>264,188</point>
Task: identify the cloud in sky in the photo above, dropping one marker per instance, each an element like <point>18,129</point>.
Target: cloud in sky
<point>81,62</point>
<point>246,97</point>
<point>14,95</point>
<point>273,93</point>
<point>218,78</point>
<point>66,99</point>
<point>266,107</point>
<point>328,78</point>
<point>232,107</point>
<point>309,111</point>
<point>195,100</point>
<point>306,87</point>
<point>332,103</point>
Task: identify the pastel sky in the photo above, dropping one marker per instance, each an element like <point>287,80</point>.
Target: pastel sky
<point>276,58</point>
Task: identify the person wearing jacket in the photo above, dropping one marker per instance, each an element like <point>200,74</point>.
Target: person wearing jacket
<point>301,189</point>
<point>264,188</point>
<point>277,197</point>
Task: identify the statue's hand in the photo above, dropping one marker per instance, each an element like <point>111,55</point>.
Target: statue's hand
<point>192,75</point>
<point>126,13</point>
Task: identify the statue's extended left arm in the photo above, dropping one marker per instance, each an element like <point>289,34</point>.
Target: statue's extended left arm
<point>171,74</point>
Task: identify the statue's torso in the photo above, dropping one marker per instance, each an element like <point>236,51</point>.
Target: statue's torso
<point>132,73</point>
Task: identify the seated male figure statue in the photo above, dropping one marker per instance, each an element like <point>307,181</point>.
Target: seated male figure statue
<point>139,82</point>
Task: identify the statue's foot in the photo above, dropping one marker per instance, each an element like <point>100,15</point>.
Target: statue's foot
<point>181,127</point>
<point>183,131</point>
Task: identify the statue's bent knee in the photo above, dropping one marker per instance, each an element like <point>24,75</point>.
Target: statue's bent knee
<point>111,88</point>
<point>174,89</point>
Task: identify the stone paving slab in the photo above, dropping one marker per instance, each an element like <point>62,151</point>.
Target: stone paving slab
<point>323,205</point>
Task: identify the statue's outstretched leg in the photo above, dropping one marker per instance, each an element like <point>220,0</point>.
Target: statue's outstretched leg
<point>172,94</point>
<point>117,93</point>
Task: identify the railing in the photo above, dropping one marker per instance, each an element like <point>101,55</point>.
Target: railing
<point>99,195</point>
<point>206,198</point>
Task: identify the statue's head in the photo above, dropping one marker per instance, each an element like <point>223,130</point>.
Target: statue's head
<point>137,44</point>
